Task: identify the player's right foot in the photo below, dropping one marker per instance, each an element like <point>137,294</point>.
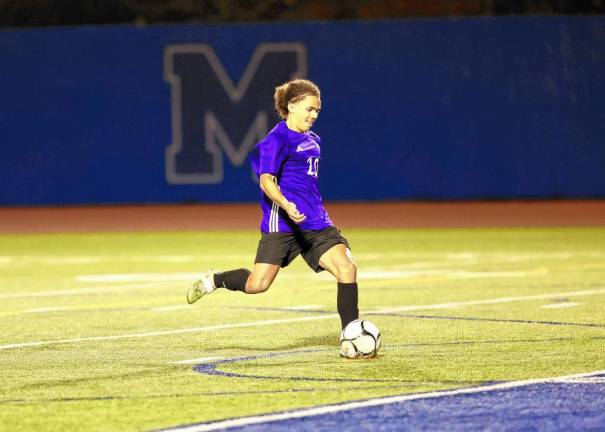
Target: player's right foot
<point>201,287</point>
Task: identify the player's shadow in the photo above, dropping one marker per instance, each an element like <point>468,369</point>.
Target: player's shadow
<point>309,342</point>
<point>328,340</point>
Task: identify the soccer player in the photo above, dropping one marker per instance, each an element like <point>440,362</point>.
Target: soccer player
<point>294,220</point>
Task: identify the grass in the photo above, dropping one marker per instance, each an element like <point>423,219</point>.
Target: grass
<point>96,366</point>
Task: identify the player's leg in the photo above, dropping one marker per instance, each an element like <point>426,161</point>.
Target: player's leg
<point>330,251</point>
<point>250,282</point>
<point>274,251</point>
<point>261,278</point>
<point>339,262</point>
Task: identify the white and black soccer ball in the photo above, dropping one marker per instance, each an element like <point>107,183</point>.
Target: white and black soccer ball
<point>360,339</point>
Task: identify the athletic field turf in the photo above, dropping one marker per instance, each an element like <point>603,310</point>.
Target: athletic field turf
<point>96,334</point>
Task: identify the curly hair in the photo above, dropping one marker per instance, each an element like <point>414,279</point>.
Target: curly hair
<point>293,91</point>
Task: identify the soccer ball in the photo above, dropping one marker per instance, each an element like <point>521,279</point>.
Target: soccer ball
<point>359,339</point>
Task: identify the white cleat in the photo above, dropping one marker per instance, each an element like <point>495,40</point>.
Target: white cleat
<point>201,287</point>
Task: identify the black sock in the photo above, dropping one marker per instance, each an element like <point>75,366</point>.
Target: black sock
<point>234,280</point>
<point>346,302</point>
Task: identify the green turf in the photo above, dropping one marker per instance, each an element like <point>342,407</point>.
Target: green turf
<point>52,291</point>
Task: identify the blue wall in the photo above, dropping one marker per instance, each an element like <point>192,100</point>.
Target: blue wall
<point>418,109</point>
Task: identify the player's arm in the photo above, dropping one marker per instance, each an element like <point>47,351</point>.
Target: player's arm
<point>268,185</point>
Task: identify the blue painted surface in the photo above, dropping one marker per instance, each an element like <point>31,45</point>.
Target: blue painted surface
<point>551,407</point>
<point>437,109</point>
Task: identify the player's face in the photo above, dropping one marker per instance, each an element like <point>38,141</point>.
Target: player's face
<point>302,114</point>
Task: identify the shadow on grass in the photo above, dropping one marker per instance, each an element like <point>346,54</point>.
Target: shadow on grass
<point>327,340</point>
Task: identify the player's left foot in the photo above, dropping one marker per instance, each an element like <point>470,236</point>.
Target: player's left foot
<point>201,287</point>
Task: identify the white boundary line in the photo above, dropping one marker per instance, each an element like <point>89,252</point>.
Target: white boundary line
<point>560,305</point>
<point>47,309</point>
<point>491,301</point>
<point>167,332</point>
<point>85,291</point>
<point>328,409</point>
<point>139,277</point>
<point>583,380</point>
<point>170,308</point>
<point>196,361</point>
<point>290,320</point>
<point>303,307</point>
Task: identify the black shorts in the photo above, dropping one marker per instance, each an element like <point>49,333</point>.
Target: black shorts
<point>281,248</point>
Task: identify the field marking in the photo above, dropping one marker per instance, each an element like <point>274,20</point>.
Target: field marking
<point>437,257</point>
<point>53,260</point>
<point>479,256</point>
<point>82,291</point>
<point>303,307</point>
<point>368,274</point>
<point>490,301</point>
<point>582,380</point>
<point>348,406</point>
<point>308,318</point>
<point>560,305</point>
<point>443,272</point>
<point>165,332</point>
<point>47,309</point>
<point>139,277</point>
<point>197,360</point>
<point>462,274</point>
<point>170,308</point>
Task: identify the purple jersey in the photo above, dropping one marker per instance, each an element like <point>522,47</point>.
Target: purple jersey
<point>293,158</point>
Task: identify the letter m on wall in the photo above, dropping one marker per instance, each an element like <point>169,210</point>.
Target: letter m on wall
<point>211,116</point>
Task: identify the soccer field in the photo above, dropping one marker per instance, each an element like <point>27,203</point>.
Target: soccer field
<point>96,333</point>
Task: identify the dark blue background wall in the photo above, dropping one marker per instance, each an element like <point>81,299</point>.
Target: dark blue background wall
<point>437,109</point>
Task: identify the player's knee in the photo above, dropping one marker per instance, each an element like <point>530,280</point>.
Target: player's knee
<point>257,285</point>
<point>346,271</point>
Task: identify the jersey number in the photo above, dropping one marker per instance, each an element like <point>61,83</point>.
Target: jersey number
<point>313,166</point>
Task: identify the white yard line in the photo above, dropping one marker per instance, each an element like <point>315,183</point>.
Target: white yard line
<point>197,360</point>
<point>149,280</point>
<point>167,332</point>
<point>139,277</point>
<point>372,275</point>
<point>301,319</point>
<point>83,291</point>
<point>348,406</point>
<point>582,380</point>
<point>560,305</point>
<point>491,301</point>
<point>170,308</point>
<point>47,309</point>
<point>68,260</point>
<point>303,307</point>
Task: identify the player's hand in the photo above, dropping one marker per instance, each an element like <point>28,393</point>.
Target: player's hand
<point>293,213</point>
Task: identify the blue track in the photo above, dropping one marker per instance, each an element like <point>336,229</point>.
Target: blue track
<point>549,407</point>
